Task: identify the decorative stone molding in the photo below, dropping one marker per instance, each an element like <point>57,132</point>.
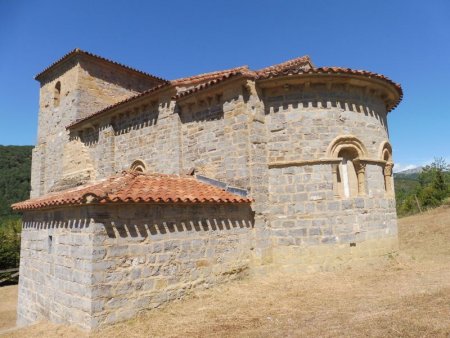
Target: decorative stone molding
<point>139,165</point>
<point>283,164</point>
<point>346,141</point>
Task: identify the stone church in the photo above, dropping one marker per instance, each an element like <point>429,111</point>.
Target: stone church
<point>144,189</point>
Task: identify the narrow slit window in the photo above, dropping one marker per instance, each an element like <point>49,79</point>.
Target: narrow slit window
<point>50,244</point>
<point>57,94</point>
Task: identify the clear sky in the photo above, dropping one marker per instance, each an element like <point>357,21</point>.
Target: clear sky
<point>406,40</point>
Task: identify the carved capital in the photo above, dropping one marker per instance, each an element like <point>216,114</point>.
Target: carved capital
<point>360,166</point>
<point>388,168</point>
<point>334,168</point>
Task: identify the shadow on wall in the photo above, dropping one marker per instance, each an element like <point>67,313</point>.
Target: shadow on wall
<point>116,229</point>
<point>154,222</point>
<point>206,114</point>
<point>122,124</point>
<point>82,223</point>
<point>277,104</point>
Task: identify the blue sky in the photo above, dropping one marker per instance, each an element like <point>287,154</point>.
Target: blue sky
<point>408,41</point>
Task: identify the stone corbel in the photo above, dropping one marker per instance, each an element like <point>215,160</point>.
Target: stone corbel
<point>251,87</point>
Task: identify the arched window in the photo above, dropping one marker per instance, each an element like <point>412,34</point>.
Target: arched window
<point>349,173</point>
<point>346,172</point>
<point>386,156</point>
<point>139,166</point>
<point>57,94</point>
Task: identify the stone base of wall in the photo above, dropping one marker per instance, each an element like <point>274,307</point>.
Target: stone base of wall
<point>331,256</point>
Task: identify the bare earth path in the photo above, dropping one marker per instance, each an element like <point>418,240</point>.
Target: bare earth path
<point>8,300</point>
<point>406,295</point>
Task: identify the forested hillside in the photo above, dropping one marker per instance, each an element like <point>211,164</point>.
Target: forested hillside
<point>423,190</point>
<point>15,171</point>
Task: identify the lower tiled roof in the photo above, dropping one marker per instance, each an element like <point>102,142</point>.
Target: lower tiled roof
<point>136,187</point>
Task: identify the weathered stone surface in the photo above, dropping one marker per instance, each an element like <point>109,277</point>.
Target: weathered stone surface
<point>118,278</point>
<point>285,140</point>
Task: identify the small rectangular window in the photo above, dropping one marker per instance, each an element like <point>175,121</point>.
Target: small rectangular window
<point>50,244</point>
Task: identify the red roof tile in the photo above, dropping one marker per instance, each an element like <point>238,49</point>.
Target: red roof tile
<point>244,72</point>
<point>304,62</point>
<point>79,51</point>
<point>135,187</point>
<point>192,80</point>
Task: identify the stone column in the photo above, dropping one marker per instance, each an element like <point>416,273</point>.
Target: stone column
<point>360,168</point>
<point>388,176</point>
<point>334,170</point>
<point>258,167</point>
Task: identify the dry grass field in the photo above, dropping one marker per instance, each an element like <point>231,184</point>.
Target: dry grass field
<point>406,295</point>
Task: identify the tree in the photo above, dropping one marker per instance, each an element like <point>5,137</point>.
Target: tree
<point>434,188</point>
<point>10,243</point>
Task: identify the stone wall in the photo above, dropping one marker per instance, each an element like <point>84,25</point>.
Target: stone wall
<point>251,139</point>
<point>107,263</point>
<point>305,213</point>
<point>305,210</point>
<point>56,267</point>
<point>103,84</point>
<point>303,122</point>
<point>214,137</point>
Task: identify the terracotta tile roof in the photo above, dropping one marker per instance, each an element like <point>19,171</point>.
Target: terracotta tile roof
<point>337,71</point>
<point>304,62</point>
<point>192,80</point>
<point>79,51</point>
<point>135,187</point>
<point>120,103</point>
<point>243,72</point>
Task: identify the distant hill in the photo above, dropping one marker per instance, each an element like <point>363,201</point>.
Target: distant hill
<point>409,173</point>
<point>15,173</point>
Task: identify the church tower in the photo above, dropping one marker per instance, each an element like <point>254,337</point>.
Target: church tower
<point>76,86</point>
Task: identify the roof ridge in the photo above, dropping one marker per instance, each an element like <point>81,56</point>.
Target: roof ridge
<point>203,75</point>
<point>80,51</point>
<point>201,86</point>
<point>286,64</point>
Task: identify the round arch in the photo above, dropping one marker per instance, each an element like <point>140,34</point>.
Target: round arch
<point>385,151</point>
<point>138,166</point>
<point>346,141</point>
